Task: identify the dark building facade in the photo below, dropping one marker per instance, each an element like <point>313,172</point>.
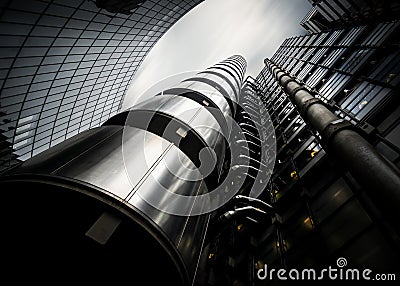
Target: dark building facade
<point>65,65</point>
<point>332,198</point>
<point>333,14</point>
<point>333,98</point>
<point>223,177</point>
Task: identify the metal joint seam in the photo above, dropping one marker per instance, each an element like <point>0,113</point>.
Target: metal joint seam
<point>286,82</point>
<point>334,127</point>
<point>278,78</point>
<point>307,104</point>
<point>301,87</point>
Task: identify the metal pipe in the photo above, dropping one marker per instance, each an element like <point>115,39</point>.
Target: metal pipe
<point>252,112</point>
<point>243,211</point>
<point>255,202</point>
<point>245,141</point>
<point>219,224</point>
<point>379,178</point>
<point>250,150</point>
<point>235,167</point>
<point>251,120</point>
<point>246,132</point>
<point>243,124</point>
<point>258,162</point>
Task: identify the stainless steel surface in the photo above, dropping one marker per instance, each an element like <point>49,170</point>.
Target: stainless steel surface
<point>138,173</point>
<point>211,93</point>
<point>220,81</point>
<point>227,74</point>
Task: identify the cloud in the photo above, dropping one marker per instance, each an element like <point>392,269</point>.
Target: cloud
<point>215,30</point>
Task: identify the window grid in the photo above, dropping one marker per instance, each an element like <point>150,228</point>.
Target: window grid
<point>69,64</point>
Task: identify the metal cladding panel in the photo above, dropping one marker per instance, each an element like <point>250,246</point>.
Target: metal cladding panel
<point>145,164</point>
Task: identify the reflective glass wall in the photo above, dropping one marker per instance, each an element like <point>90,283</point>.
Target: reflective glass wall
<point>323,213</point>
<point>65,65</point>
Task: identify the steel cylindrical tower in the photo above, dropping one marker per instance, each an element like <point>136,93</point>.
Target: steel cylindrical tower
<point>100,202</point>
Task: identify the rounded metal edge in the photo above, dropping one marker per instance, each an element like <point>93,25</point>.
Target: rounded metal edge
<point>114,202</point>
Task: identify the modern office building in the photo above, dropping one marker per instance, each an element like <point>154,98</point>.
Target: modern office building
<point>138,195</point>
<point>334,102</point>
<point>65,65</point>
<point>334,14</point>
<point>222,177</point>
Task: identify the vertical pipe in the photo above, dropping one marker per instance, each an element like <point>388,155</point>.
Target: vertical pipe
<point>379,178</point>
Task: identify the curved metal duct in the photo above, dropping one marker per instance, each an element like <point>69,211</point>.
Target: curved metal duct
<point>100,202</point>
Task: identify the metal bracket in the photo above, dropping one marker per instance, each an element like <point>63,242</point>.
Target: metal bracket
<point>285,83</point>
<point>334,127</point>
<point>306,105</point>
<point>281,76</point>
<point>301,87</point>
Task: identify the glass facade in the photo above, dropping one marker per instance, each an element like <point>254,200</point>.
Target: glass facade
<point>323,212</point>
<point>65,65</point>
<point>331,14</point>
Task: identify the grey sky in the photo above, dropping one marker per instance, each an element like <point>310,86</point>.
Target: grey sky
<point>213,31</point>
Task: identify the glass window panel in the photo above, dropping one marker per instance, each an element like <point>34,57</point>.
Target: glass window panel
<point>44,77</point>
<point>58,10</point>
<point>75,85</point>
<point>364,98</point>
<point>14,29</point>
<point>58,51</point>
<point>95,50</point>
<point>33,103</point>
<point>40,149</point>
<point>70,33</point>
<point>371,102</point>
<point>69,66</point>
<point>19,72</point>
<point>65,74</point>
<point>48,68</point>
<point>77,24</point>
<point>8,52</point>
<point>31,111</point>
<point>84,15</point>
<point>90,34</point>
<point>53,21</point>
<point>79,50</point>
<point>358,92</point>
<point>45,31</point>
<point>5,63</point>
<point>111,28</point>
<point>48,117</point>
<point>96,26</point>
<point>11,41</point>
<point>51,105</point>
<point>53,60</point>
<point>43,134</point>
<point>59,126</point>
<point>333,85</point>
<point>58,140</point>
<point>39,86</point>
<point>356,60</point>
<point>78,78</point>
<point>64,42</point>
<point>6,101</point>
<point>53,96</point>
<point>32,51</point>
